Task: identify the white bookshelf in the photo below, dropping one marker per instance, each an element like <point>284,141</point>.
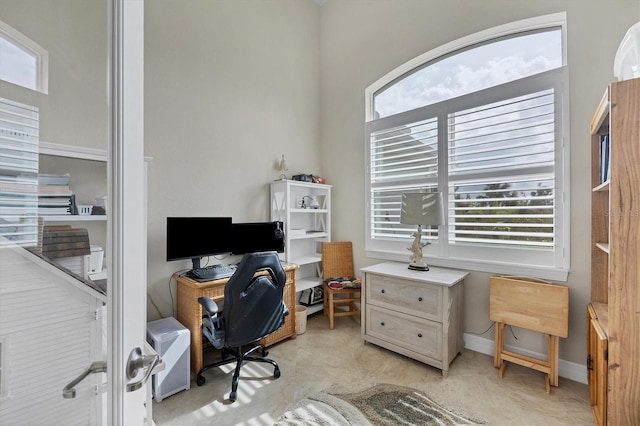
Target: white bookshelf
<point>305,229</point>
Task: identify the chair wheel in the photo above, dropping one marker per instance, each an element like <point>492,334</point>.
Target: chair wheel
<point>276,372</point>
<point>224,353</point>
<point>265,352</point>
<point>232,396</point>
<point>200,380</point>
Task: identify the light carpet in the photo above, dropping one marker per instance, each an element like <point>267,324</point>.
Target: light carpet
<point>381,404</point>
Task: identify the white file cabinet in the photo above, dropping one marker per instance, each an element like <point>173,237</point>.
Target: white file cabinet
<point>170,340</point>
<point>419,314</point>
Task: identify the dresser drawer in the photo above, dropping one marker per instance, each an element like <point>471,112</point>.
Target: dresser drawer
<point>406,331</point>
<point>415,298</point>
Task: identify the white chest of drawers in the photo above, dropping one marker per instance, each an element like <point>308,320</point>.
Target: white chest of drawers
<point>414,313</point>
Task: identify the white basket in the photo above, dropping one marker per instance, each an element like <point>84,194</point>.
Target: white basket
<point>84,210</point>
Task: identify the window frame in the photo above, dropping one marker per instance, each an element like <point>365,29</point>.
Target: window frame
<point>556,266</point>
<point>29,46</point>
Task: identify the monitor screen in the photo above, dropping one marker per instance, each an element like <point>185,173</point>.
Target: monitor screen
<point>257,236</point>
<point>197,237</point>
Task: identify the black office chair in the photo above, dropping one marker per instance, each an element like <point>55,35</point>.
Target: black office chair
<point>253,308</point>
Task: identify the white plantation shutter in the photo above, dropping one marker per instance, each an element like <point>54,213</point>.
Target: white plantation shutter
<point>501,173</point>
<point>403,159</point>
<point>19,126</point>
<point>498,157</point>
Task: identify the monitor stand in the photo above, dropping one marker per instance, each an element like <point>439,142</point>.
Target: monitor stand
<point>195,262</point>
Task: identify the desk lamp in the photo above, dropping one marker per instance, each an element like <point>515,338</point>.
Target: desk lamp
<point>420,208</point>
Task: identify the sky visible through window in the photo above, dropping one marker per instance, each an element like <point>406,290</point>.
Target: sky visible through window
<point>17,66</point>
<point>473,69</point>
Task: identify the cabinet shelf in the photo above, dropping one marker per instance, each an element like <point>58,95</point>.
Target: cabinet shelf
<point>321,211</point>
<point>306,260</point>
<point>75,218</point>
<point>602,187</point>
<point>314,308</point>
<point>307,283</point>
<point>601,114</point>
<point>309,235</point>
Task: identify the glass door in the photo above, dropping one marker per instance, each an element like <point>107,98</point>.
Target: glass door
<point>67,277</point>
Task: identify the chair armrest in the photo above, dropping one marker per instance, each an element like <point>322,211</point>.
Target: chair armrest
<point>209,305</point>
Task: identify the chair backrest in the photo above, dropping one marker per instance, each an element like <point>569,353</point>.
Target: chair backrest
<point>337,259</point>
<point>253,305</point>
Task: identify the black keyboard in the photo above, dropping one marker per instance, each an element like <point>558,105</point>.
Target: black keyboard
<point>213,272</point>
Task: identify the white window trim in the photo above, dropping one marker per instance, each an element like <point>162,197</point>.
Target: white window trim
<point>30,46</point>
<point>559,271</point>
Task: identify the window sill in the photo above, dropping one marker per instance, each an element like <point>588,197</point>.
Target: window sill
<point>520,270</point>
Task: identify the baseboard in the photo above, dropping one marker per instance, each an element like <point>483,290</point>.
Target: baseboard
<point>566,369</point>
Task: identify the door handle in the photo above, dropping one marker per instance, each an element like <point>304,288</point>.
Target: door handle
<point>96,367</point>
<point>136,362</point>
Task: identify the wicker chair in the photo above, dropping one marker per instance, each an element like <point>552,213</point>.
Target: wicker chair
<point>337,261</point>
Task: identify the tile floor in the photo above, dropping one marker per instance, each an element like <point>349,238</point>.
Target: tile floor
<point>322,359</point>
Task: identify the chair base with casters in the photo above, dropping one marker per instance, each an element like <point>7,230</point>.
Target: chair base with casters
<point>239,357</point>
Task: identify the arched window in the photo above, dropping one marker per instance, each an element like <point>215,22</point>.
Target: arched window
<point>22,61</point>
<point>483,121</point>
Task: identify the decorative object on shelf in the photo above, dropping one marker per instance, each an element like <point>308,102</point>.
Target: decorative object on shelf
<point>303,178</point>
<point>99,206</point>
<point>84,210</point>
<point>626,64</point>
<point>282,167</point>
<point>309,178</point>
<point>420,208</point>
<point>311,296</point>
<point>65,241</point>
<point>309,202</point>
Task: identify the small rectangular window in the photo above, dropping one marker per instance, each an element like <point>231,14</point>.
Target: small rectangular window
<point>22,61</point>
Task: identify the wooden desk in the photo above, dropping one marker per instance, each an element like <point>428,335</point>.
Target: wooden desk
<point>190,311</point>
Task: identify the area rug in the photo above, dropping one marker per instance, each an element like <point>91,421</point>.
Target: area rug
<point>381,404</point>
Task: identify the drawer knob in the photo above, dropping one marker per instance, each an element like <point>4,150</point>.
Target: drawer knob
<point>382,291</point>
<point>419,299</point>
<point>419,334</point>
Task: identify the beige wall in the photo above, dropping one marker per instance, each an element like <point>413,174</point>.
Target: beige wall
<point>362,40</point>
<point>230,86</point>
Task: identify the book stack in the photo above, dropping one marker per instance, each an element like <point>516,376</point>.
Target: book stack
<point>605,153</point>
<point>54,195</point>
<point>64,241</point>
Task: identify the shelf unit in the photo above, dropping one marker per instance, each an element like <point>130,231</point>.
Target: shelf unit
<point>305,229</point>
<point>88,169</point>
<point>613,316</point>
<point>75,218</point>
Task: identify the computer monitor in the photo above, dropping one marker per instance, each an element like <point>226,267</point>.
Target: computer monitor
<point>197,237</point>
<point>257,236</point>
